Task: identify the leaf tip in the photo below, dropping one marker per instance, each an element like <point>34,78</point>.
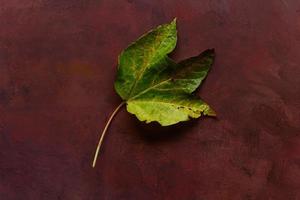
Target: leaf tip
<point>210,52</point>
<point>174,21</point>
<point>211,113</point>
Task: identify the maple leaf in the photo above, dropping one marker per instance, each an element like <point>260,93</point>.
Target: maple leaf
<point>154,87</point>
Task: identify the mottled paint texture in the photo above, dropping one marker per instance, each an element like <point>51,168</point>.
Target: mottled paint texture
<point>57,68</point>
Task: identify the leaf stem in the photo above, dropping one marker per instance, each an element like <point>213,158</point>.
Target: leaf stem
<point>104,131</point>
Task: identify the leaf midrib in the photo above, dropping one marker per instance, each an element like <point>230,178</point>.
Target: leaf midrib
<point>144,66</point>
<point>146,90</point>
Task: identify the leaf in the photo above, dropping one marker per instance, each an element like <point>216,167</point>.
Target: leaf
<point>154,87</point>
<point>143,60</point>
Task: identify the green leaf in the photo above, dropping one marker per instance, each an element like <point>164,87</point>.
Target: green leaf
<point>144,59</point>
<point>154,87</point>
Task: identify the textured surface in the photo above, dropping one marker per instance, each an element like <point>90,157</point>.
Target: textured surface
<point>57,68</point>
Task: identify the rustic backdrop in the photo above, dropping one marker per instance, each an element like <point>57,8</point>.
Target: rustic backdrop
<point>57,68</point>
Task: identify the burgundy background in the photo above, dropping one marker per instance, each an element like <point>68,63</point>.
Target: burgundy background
<point>57,68</point>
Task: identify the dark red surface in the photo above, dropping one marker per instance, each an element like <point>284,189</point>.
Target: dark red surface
<point>57,68</point>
